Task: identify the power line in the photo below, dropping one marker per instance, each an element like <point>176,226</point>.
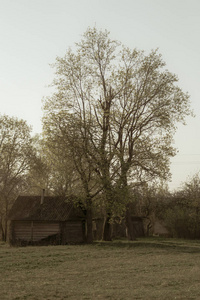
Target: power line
<point>189,154</point>
<point>185,162</point>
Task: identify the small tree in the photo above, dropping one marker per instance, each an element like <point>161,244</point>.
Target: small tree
<point>15,158</point>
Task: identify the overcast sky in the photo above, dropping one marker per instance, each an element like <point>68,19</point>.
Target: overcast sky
<point>34,32</point>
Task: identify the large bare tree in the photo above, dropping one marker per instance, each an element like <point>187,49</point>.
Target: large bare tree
<point>123,106</point>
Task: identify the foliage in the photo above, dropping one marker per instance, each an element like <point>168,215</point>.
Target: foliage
<point>52,169</point>
<point>149,201</point>
<point>16,155</point>
<point>117,110</point>
<point>183,212</point>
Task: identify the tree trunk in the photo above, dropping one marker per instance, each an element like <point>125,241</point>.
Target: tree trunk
<point>2,231</point>
<point>5,232</point>
<point>6,222</point>
<point>107,232</point>
<point>6,226</point>
<point>129,226</point>
<point>149,226</point>
<point>89,234</point>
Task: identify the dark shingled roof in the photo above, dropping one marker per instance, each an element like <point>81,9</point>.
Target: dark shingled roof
<point>52,209</point>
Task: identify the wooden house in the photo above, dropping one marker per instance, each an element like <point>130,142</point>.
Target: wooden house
<point>36,220</point>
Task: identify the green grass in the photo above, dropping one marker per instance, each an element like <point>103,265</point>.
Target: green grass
<point>145,269</point>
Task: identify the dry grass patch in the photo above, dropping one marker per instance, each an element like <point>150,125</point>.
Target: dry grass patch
<point>145,269</point>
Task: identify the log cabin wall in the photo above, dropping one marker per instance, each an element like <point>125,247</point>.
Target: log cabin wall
<point>33,231</point>
<point>29,232</point>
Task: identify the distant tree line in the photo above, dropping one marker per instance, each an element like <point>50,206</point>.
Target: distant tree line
<point>179,210</point>
<point>107,132</point>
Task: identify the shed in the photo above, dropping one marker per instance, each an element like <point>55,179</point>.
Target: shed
<point>159,229</point>
<point>46,220</point>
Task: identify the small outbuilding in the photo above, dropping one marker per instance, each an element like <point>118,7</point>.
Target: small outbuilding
<point>159,229</point>
<point>36,220</point>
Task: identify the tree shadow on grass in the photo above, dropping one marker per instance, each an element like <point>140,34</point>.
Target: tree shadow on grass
<point>165,244</point>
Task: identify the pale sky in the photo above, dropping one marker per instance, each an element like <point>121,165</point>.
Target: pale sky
<point>34,32</point>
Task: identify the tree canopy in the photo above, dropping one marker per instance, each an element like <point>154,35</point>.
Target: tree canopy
<point>116,109</point>
<point>16,154</point>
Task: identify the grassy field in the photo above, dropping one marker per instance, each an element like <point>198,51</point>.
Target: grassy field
<point>145,269</point>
